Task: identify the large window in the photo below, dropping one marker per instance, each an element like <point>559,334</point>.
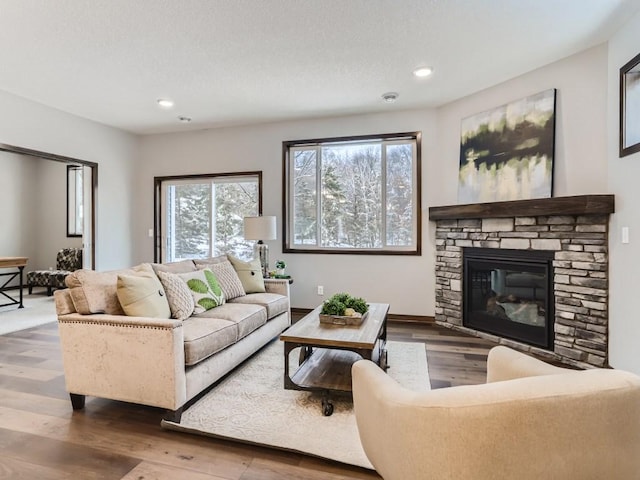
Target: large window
<point>201,216</point>
<point>353,195</point>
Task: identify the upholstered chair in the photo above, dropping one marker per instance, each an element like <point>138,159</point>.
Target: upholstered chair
<point>531,420</point>
<point>67,260</point>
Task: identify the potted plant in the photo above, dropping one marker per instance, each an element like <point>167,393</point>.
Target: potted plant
<point>280,266</point>
<point>343,309</point>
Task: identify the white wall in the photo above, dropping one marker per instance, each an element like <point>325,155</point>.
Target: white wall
<point>50,214</point>
<point>580,163</point>
<point>624,182</point>
<point>17,233</point>
<point>34,126</point>
<point>407,283</point>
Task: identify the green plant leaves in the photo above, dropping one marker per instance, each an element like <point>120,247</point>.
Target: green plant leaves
<point>213,283</point>
<point>207,303</point>
<point>197,286</point>
<point>336,304</point>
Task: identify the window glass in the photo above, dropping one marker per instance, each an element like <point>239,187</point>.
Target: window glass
<point>356,195</point>
<point>203,216</point>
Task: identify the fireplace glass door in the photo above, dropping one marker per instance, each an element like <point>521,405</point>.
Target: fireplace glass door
<point>509,293</point>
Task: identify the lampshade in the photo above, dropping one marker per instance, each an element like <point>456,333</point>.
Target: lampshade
<point>260,228</point>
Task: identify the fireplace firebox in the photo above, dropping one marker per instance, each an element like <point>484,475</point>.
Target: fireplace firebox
<point>510,293</point>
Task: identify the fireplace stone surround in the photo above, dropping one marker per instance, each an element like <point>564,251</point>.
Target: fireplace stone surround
<point>575,228</point>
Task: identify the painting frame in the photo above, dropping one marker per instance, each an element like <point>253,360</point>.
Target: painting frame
<point>630,107</point>
<point>507,152</point>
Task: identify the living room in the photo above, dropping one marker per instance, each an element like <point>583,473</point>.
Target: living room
<point>586,162</point>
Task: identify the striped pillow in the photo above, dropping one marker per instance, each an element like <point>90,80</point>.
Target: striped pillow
<point>228,279</point>
<point>178,295</point>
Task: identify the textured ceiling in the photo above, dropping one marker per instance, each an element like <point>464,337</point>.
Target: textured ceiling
<point>230,62</point>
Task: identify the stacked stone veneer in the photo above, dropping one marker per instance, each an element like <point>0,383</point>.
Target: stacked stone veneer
<point>581,269</point>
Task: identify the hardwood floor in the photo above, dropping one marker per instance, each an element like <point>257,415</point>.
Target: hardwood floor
<point>42,438</point>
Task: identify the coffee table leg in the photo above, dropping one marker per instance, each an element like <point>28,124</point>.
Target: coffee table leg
<point>327,406</point>
<point>305,352</point>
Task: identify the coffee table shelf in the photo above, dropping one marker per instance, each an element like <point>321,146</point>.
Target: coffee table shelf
<point>326,369</point>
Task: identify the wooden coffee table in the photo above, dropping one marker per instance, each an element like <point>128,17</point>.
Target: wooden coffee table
<point>328,352</point>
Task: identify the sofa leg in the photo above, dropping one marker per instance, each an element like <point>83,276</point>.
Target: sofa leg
<point>30,289</point>
<point>49,291</point>
<point>77,401</point>
<point>173,415</point>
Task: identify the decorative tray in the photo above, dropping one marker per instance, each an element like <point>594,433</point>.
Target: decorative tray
<point>342,320</point>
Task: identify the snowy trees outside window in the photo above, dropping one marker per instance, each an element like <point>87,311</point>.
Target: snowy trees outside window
<point>359,195</point>
<point>202,216</point>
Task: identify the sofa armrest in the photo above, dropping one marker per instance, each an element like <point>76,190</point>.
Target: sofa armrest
<point>277,285</point>
<point>504,363</point>
<point>133,359</point>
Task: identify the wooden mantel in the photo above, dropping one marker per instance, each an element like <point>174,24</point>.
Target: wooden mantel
<point>575,205</point>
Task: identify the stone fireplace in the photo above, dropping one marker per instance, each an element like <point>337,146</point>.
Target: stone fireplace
<point>571,231</point>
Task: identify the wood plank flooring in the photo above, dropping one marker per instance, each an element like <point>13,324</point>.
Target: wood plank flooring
<point>42,438</point>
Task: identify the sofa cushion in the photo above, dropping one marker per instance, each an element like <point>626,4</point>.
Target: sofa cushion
<point>246,316</point>
<point>95,292</point>
<point>204,288</point>
<point>205,262</point>
<point>250,274</point>
<point>182,266</point>
<point>228,278</point>
<point>179,296</point>
<point>274,303</point>
<point>205,336</point>
<point>141,295</point>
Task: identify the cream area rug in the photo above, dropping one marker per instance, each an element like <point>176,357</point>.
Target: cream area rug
<point>38,310</point>
<point>252,406</point>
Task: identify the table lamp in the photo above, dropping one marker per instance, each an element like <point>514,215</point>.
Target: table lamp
<point>261,228</point>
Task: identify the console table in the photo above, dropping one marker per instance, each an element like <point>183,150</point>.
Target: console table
<point>12,262</point>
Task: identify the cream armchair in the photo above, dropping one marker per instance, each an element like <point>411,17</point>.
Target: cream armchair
<point>530,420</point>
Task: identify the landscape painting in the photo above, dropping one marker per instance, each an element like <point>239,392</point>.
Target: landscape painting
<point>507,153</point>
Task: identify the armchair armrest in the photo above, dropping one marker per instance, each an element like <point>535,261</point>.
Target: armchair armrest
<point>133,359</point>
<point>504,363</point>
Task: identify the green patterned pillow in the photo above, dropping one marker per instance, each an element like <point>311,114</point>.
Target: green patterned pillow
<point>204,288</point>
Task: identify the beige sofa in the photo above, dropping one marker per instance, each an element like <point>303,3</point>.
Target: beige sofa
<point>530,420</point>
<point>160,362</point>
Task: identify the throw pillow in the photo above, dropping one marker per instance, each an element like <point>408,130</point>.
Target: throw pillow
<point>202,262</point>
<point>96,292</point>
<point>179,296</point>
<point>204,288</point>
<point>182,266</point>
<point>250,274</point>
<point>228,279</point>
<point>141,295</point>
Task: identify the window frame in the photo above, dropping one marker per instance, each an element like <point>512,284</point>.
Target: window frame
<point>75,202</point>
<point>159,209</point>
<point>287,205</point>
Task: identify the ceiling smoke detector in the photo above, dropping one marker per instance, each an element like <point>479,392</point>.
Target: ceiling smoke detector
<point>390,97</point>
<point>184,119</point>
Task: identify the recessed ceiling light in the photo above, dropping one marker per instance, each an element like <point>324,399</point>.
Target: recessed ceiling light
<point>184,119</point>
<point>390,97</point>
<point>422,72</point>
<point>165,102</point>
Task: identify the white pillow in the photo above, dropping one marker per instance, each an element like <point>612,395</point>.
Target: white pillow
<point>250,274</point>
<point>141,295</point>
